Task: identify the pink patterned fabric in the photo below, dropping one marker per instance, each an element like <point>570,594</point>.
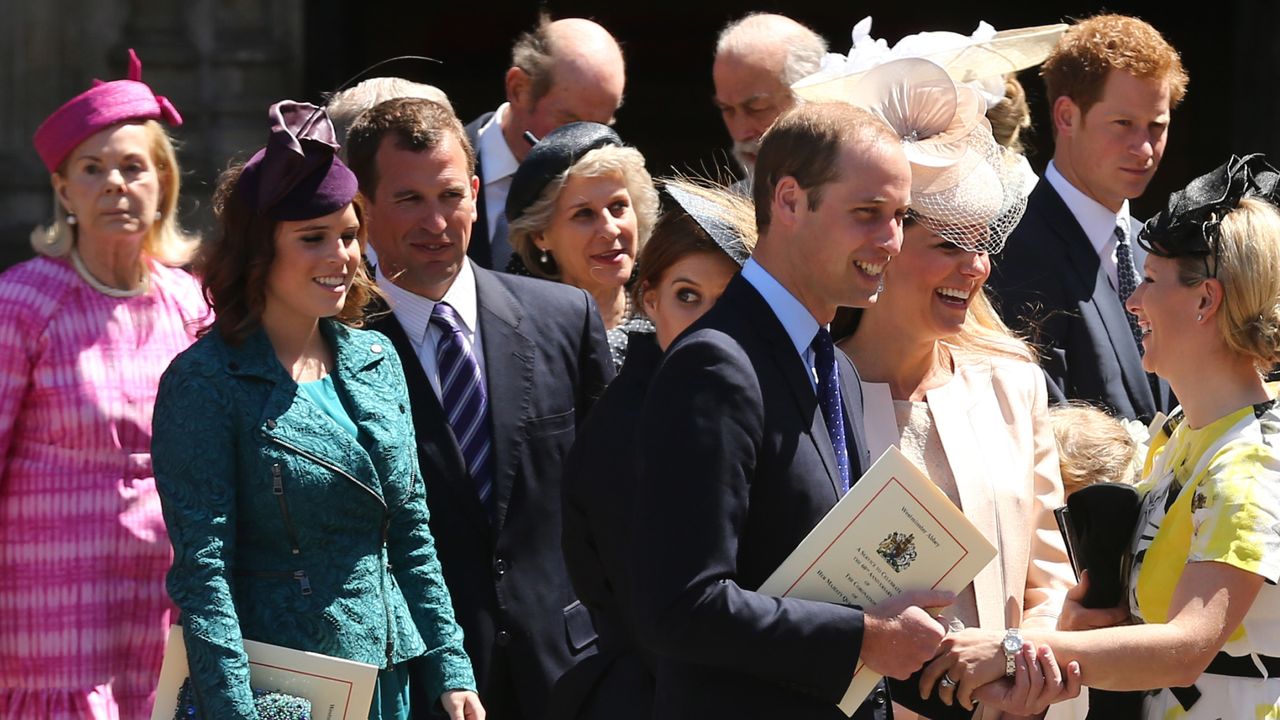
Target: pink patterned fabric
<point>83,549</point>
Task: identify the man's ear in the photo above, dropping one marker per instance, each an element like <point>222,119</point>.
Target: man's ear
<point>475,198</point>
<point>1066,115</point>
<point>788,196</point>
<point>517,86</point>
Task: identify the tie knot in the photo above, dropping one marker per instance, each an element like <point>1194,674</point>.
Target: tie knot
<point>1122,232</point>
<point>446,317</point>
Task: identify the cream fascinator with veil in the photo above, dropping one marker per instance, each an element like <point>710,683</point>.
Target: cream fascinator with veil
<point>964,185</point>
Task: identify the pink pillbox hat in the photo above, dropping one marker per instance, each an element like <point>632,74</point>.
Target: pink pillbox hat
<point>101,106</point>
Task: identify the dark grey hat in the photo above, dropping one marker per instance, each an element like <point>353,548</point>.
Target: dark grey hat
<point>551,156</point>
<point>710,217</point>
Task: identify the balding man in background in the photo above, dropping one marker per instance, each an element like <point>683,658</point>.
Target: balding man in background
<point>561,72</point>
<point>757,58</point>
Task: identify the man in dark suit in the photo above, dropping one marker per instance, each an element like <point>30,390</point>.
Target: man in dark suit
<point>561,72</point>
<point>751,432</point>
<point>500,369</point>
<point>1070,265</point>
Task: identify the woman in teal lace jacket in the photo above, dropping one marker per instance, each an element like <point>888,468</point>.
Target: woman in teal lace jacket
<point>283,450</point>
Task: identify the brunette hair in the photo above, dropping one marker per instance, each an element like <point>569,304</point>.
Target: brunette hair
<point>677,235</point>
<point>805,143</point>
<point>416,124</point>
<point>236,264</point>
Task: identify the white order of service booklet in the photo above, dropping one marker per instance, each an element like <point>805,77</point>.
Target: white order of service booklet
<point>338,689</point>
<point>893,532</point>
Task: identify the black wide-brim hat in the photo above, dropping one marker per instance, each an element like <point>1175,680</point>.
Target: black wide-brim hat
<point>550,158</point>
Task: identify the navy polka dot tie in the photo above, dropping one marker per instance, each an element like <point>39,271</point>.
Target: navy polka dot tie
<point>824,355</point>
<point>1127,280</point>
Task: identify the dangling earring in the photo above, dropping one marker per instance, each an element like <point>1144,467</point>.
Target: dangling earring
<point>71,219</point>
<point>544,258</point>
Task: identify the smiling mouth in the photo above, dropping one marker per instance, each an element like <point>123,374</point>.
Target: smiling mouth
<point>953,296</point>
<point>873,270</point>
<point>331,282</point>
<point>608,258</point>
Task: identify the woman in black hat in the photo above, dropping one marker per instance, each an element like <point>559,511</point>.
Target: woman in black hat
<point>580,208</point>
<point>1202,609</point>
<point>697,246</point>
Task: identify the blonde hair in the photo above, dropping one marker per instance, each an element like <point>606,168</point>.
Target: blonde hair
<point>623,162</point>
<point>166,241</point>
<point>984,333</point>
<point>345,106</point>
<point>1093,447</point>
<point>1248,266</point>
<point>1010,116</point>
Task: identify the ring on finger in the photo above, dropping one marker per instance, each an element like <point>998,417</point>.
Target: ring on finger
<point>947,682</point>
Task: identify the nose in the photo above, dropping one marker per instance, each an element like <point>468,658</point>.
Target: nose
<point>891,236</point>
<point>610,228</point>
<point>975,265</point>
<point>1134,303</point>
<point>433,219</point>
<point>114,179</point>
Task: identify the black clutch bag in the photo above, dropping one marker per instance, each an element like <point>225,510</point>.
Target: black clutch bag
<point>1097,526</point>
<point>270,705</point>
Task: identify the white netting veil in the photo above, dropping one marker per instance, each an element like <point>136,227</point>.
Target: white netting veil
<point>965,186</point>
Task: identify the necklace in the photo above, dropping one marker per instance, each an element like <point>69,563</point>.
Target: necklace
<point>78,263</point>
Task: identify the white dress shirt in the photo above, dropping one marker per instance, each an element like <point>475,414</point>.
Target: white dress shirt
<point>1098,223</point>
<point>796,319</point>
<point>497,166</point>
<point>414,315</point>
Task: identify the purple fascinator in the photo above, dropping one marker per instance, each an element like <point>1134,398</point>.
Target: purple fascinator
<point>298,175</point>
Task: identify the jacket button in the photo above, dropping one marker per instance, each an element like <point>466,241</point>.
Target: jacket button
<point>375,348</point>
<point>271,423</point>
<point>500,567</point>
<point>879,696</point>
<point>503,638</point>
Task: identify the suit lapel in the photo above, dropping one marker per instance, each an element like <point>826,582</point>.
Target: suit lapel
<point>958,409</point>
<point>792,368</point>
<point>1111,311</point>
<point>508,359</point>
<point>441,457</point>
<point>297,424</point>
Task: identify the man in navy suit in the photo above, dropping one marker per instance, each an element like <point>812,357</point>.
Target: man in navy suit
<point>752,431</point>
<point>1070,265</point>
<point>561,72</point>
<point>501,369</point>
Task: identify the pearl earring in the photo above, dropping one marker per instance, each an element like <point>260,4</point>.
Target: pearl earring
<point>1200,318</point>
<point>71,219</point>
<point>545,257</point>
<point>159,216</point>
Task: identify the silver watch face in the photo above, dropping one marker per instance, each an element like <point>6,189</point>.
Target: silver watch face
<point>1012,644</point>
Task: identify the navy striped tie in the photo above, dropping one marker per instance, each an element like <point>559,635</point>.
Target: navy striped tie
<point>828,387</point>
<point>465,400</point>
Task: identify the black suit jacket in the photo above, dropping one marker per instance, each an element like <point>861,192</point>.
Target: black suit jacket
<point>600,477</point>
<point>481,248</point>
<point>546,362</point>
<point>737,468</point>
<point>1049,283</point>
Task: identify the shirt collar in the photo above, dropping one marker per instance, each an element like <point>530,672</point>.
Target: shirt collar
<point>799,323</point>
<point>414,311</point>
<point>1098,223</point>
<point>497,162</point>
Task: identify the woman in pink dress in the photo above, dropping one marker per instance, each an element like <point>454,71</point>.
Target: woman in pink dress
<point>85,332</point>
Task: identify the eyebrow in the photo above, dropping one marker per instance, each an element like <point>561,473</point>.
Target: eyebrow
<point>311,228</point>
<point>690,281</point>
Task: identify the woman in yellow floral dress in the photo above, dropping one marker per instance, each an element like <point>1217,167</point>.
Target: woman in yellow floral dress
<point>1205,606</point>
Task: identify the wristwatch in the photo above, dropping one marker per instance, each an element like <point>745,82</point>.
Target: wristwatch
<point>1012,645</point>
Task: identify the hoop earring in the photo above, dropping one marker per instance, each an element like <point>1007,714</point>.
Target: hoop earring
<point>71,219</point>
